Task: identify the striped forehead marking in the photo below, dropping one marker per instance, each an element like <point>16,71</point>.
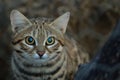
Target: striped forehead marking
<point>40,31</point>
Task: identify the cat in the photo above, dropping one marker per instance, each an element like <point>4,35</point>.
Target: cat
<point>41,50</point>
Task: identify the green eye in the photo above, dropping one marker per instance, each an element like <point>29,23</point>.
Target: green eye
<point>29,40</point>
<point>50,41</point>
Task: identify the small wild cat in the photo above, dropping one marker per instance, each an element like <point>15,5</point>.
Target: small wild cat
<point>41,50</point>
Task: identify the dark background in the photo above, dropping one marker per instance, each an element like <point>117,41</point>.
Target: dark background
<point>91,21</point>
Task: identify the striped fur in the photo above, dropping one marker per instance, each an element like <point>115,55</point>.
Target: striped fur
<point>60,60</point>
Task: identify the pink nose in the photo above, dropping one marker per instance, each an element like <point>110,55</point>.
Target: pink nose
<point>40,53</point>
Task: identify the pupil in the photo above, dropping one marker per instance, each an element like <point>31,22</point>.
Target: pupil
<point>30,39</point>
<point>49,40</point>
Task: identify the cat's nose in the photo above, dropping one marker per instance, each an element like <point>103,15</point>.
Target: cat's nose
<point>40,53</point>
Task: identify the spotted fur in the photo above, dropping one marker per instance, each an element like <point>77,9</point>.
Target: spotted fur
<point>60,60</point>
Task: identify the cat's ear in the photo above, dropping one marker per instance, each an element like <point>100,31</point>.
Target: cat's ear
<point>61,22</point>
<point>18,21</point>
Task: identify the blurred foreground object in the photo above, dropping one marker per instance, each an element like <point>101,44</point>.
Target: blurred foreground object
<point>106,64</point>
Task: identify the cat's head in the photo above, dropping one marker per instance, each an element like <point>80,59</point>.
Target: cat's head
<point>38,39</point>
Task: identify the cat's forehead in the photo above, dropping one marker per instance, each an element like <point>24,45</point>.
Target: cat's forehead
<point>41,25</point>
<point>40,29</point>
<point>41,21</point>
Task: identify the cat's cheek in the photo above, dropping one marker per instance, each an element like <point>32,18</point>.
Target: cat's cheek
<point>60,48</point>
<point>17,47</point>
<point>35,56</point>
<point>45,56</point>
<point>26,48</point>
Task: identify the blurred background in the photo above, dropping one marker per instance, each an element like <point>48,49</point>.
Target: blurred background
<point>91,21</point>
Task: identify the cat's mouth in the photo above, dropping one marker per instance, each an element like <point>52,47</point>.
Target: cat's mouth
<point>38,56</point>
<point>44,57</point>
<point>35,58</point>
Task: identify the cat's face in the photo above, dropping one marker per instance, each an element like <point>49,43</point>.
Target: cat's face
<point>38,39</point>
<point>39,42</point>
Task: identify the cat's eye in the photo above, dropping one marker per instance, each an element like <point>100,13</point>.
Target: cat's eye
<point>50,41</point>
<point>29,40</point>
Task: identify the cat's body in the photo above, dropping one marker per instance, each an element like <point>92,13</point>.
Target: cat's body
<point>41,50</point>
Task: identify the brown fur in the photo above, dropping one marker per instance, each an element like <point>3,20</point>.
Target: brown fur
<point>67,53</point>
